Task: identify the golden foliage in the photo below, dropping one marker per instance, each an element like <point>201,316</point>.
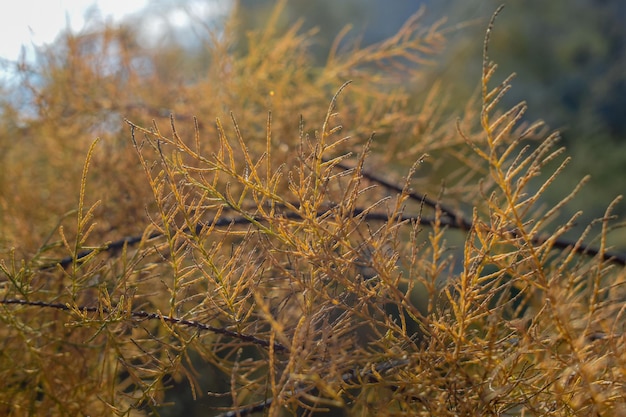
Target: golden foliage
<point>289,260</point>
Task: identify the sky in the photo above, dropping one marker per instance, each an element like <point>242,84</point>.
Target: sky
<point>28,23</point>
<point>37,22</point>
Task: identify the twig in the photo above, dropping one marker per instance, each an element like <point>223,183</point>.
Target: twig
<point>451,220</point>
<point>457,220</point>
<point>144,315</point>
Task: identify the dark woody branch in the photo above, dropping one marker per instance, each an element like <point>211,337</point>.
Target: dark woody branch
<point>449,219</point>
<point>144,315</point>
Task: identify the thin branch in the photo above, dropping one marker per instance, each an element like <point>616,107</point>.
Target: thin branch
<point>144,315</point>
<point>457,220</point>
<point>452,220</point>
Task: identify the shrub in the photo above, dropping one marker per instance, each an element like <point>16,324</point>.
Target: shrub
<point>285,268</point>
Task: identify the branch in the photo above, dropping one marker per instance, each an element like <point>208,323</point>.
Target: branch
<point>451,220</point>
<point>144,315</point>
<point>456,220</point>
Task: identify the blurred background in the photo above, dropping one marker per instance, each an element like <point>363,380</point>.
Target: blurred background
<point>569,56</point>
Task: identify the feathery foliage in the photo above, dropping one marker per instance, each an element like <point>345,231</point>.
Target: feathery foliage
<point>291,261</point>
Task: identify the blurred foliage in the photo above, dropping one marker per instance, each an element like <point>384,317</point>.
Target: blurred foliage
<point>570,57</point>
